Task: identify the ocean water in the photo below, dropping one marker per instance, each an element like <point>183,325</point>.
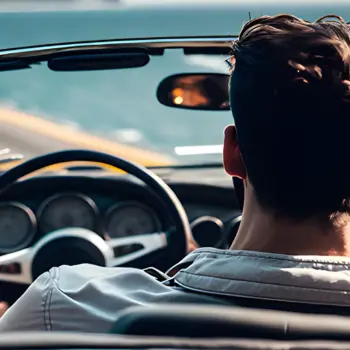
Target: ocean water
<point>121,104</point>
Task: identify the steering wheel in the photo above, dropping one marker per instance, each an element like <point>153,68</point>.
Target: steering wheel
<point>71,246</point>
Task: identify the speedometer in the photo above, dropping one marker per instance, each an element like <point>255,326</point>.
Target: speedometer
<point>68,210</point>
<point>17,227</point>
<point>131,218</point>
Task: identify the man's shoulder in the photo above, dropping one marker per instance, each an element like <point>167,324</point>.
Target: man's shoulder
<point>81,298</point>
<point>67,278</point>
<point>95,290</point>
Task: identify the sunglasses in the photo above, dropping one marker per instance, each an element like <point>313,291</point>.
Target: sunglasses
<point>230,61</point>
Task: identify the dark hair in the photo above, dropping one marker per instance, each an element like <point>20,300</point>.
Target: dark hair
<point>290,97</point>
<point>215,90</point>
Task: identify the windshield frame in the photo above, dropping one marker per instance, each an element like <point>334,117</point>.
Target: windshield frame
<point>20,58</point>
<point>45,52</point>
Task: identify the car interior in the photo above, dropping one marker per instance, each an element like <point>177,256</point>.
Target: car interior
<point>112,211</point>
<point>137,216</point>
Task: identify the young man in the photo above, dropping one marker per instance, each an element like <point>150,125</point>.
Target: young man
<point>290,97</point>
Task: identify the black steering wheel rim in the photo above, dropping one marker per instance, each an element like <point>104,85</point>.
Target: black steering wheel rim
<point>179,238</point>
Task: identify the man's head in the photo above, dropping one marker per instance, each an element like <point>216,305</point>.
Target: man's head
<point>290,98</point>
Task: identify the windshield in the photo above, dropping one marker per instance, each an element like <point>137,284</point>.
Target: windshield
<point>44,111</point>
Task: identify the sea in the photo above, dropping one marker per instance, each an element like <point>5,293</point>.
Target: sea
<point>121,104</point>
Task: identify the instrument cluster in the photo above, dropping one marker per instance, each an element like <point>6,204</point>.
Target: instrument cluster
<point>22,225</point>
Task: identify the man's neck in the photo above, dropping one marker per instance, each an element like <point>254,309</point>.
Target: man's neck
<point>261,231</point>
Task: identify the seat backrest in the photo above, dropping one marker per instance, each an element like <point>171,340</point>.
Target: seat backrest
<point>273,305</point>
<point>74,341</point>
<point>229,322</point>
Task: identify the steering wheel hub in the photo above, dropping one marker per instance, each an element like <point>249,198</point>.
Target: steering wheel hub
<point>66,251</point>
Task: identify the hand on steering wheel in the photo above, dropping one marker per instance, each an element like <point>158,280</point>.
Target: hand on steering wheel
<point>72,246</point>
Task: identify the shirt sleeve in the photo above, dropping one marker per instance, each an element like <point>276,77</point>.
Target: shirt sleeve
<point>82,298</point>
<point>27,313</point>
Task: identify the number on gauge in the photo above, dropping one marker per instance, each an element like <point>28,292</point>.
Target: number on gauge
<point>17,227</point>
<point>68,211</point>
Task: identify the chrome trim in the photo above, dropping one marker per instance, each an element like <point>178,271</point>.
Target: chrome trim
<point>26,256</point>
<point>77,232</point>
<point>150,241</point>
<point>217,221</point>
<point>33,223</point>
<point>123,205</point>
<point>43,206</point>
<point>155,42</point>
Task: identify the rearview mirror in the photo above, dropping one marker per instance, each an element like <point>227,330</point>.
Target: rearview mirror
<point>200,91</point>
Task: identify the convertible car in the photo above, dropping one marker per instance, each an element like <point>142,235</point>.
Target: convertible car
<point>117,162</point>
<point>123,179</point>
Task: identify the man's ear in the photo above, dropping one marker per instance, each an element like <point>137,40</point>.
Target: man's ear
<point>232,155</point>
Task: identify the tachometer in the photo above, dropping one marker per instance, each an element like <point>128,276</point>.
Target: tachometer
<point>131,219</point>
<point>17,226</point>
<point>68,210</point>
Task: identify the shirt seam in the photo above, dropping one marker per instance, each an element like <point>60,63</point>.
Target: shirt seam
<point>263,282</point>
<point>45,300</point>
<point>257,297</point>
<point>54,276</point>
<point>255,255</point>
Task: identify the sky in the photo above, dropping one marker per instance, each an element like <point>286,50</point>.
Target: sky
<point>45,5</point>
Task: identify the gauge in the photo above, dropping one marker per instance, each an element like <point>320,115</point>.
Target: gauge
<point>131,219</point>
<point>17,227</point>
<point>68,210</point>
<point>208,231</point>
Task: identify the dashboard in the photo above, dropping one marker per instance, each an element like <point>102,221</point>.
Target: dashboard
<point>114,205</point>
<point>25,222</point>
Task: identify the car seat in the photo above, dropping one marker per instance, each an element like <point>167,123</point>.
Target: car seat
<point>203,321</point>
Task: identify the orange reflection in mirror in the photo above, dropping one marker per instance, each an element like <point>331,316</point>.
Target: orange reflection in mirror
<point>188,92</point>
<point>178,100</point>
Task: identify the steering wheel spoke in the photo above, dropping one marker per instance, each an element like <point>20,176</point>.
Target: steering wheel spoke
<point>16,267</point>
<point>144,244</point>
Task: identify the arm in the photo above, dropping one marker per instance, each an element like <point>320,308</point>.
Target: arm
<point>82,298</point>
<point>28,311</point>
<point>65,298</point>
